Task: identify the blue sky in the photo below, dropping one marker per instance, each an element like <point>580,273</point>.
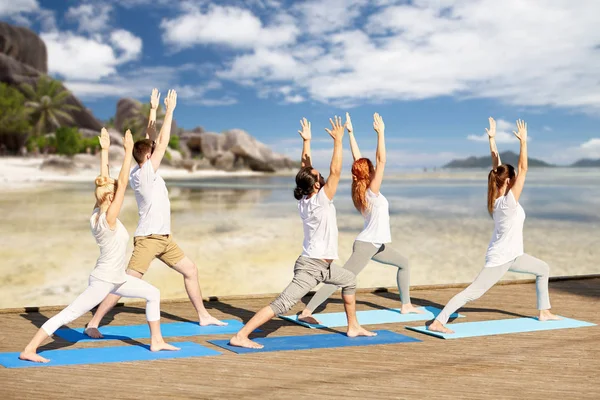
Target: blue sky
<point>435,70</point>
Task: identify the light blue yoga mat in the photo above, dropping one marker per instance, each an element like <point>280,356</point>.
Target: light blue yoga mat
<point>501,326</point>
<point>326,341</point>
<point>370,317</point>
<point>173,329</point>
<point>99,355</point>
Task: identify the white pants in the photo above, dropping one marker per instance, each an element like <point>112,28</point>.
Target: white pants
<point>97,291</point>
<point>489,276</point>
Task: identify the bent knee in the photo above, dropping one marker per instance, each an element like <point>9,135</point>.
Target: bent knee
<point>153,294</point>
<point>282,304</point>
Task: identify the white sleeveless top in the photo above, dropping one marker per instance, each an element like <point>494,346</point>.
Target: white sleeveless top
<point>507,240</point>
<point>377,220</point>
<point>320,227</point>
<point>112,262</point>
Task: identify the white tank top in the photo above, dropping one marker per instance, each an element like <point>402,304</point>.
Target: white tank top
<point>376,229</point>
<point>320,227</point>
<point>111,264</point>
<point>507,240</point>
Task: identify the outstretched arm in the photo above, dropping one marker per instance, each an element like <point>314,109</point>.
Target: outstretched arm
<point>306,135</point>
<point>493,149</point>
<point>521,134</point>
<point>379,127</point>
<point>154,102</point>
<point>115,207</point>
<point>104,139</point>
<point>165,130</point>
<point>335,170</point>
<point>353,145</point>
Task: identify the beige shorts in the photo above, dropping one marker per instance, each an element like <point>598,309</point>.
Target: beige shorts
<point>147,248</point>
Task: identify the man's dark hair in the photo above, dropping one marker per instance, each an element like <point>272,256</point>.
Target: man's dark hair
<point>141,148</point>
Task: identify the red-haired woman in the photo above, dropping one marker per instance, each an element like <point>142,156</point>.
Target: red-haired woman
<point>505,251</point>
<point>373,242</point>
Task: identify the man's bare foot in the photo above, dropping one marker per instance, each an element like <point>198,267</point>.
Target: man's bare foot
<point>210,320</point>
<point>546,315</point>
<point>410,309</point>
<point>93,332</point>
<point>306,316</point>
<point>355,331</point>
<point>32,356</point>
<point>437,326</point>
<point>162,345</point>
<point>244,342</point>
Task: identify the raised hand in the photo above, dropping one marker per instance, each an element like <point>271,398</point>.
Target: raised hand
<point>104,139</point>
<point>305,133</point>
<point>337,129</point>
<point>349,123</point>
<point>492,131</point>
<point>378,124</point>
<point>154,98</point>
<point>128,142</point>
<point>521,132</point>
<point>171,100</point>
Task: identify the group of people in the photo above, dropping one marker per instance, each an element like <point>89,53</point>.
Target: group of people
<point>113,278</point>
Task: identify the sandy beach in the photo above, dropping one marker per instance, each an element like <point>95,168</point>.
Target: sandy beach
<point>244,233</point>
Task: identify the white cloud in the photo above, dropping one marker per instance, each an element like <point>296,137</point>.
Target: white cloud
<point>9,8</point>
<point>128,43</point>
<point>319,16</point>
<point>294,99</point>
<point>504,133</point>
<point>591,148</point>
<point>231,26</point>
<point>90,17</point>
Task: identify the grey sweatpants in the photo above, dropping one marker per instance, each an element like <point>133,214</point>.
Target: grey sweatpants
<point>308,273</point>
<point>489,276</point>
<point>362,253</point>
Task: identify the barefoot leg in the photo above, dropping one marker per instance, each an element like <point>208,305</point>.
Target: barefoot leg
<point>157,343</point>
<point>260,318</point>
<point>546,315</point>
<point>354,328</point>
<point>30,352</point>
<point>410,309</point>
<point>306,316</point>
<point>437,326</point>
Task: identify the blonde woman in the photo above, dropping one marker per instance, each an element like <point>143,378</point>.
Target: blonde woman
<point>373,242</point>
<point>505,251</point>
<point>109,275</point>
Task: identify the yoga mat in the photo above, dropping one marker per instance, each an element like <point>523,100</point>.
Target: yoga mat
<point>501,326</point>
<point>172,329</point>
<point>371,317</point>
<point>99,355</point>
<point>326,341</point>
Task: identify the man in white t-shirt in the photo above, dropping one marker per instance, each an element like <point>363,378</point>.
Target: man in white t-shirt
<point>152,238</point>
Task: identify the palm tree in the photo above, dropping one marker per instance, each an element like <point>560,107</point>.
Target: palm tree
<point>138,122</point>
<point>47,103</point>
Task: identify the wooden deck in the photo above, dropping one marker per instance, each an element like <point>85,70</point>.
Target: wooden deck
<point>559,364</point>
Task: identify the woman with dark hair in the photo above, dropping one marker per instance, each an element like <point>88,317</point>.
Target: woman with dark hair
<point>320,247</point>
<point>372,243</point>
<point>505,251</point>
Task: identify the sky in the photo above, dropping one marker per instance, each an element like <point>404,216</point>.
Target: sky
<point>435,70</point>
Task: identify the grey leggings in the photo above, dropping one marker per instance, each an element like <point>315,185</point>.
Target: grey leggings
<point>308,273</point>
<point>489,276</point>
<point>362,253</point>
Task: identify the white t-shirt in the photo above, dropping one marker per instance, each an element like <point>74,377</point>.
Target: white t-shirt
<point>507,240</point>
<point>377,220</point>
<point>112,262</point>
<point>154,207</point>
<point>320,227</point>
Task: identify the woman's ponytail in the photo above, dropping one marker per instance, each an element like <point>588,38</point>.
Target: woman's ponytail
<point>362,171</point>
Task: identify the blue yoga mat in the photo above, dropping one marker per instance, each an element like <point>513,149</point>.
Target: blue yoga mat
<point>326,341</point>
<point>99,355</point>
<point>173,329</point>
<point>371,317</point>
<point>501,326</point>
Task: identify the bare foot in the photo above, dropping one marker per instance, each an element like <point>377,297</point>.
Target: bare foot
<point>546,315</point>
<point>359,331</point>
<point>93,332</point>
<point>410,309</point>
<point>437,326</point>
<point>210,320</point>
<point>32,356</point>
<point>244,342</point>
<point>306,316</point>
<point>163,346</point>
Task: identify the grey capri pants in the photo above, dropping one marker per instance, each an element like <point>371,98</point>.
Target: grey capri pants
<point>308,273</point>
<point>489,276</point>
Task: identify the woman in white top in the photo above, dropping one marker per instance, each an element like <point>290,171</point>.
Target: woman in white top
<point>373,242</point>
<point>319,249</point>
<point>505,251</point>
<point>108,276</point>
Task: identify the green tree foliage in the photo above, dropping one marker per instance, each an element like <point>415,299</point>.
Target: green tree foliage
<point>174,142</point>
<point>14,118</point>
<point>48,106</point>
<point>68,141</point>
